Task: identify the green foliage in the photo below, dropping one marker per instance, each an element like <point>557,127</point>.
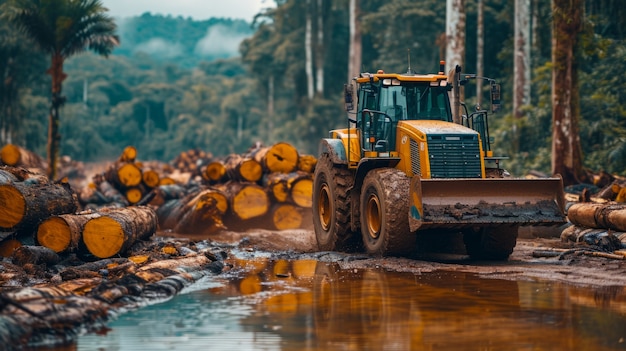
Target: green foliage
<point>161,93</point>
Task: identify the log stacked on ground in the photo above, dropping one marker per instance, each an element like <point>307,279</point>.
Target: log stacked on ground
<point>15,156</point>
<point>252,184</point>
<point>597,224</point>
<point>23,204</point>
<point>108,232</point>
<point>116,229</point>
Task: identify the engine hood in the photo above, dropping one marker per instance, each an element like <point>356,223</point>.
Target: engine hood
<point>428,127</point>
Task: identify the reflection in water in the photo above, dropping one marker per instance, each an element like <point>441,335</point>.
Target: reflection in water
<point>309,305</point>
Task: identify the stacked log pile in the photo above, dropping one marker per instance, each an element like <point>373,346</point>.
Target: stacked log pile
<point>265,187</point>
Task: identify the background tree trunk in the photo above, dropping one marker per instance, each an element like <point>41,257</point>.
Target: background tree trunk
<point>480,44</point>
<point>356,46</point>
<point>455,43</point>
<point>566,149</point>
<point>308,51</point>
<point>319,50</point>
<point>521,62</point>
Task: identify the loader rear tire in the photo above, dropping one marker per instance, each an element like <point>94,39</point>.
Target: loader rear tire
<point>385,213</point>
<point>331,206</point>
<point>495,244</point>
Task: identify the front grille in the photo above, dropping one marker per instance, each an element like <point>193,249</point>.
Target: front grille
<point>454,156</point>
<point>415,158</point>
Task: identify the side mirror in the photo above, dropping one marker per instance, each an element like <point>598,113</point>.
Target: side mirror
<point>348,95</point>
<point>495,98</point>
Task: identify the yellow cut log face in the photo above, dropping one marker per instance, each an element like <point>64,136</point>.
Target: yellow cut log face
<point>302,192</point>
<point>12,206</point>
<point>10,155</point>
<point>286,216</point>
<point>250,201</point>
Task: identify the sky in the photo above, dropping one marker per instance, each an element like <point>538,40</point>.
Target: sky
<point>196,9</point>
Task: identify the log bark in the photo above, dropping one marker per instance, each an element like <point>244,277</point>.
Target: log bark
<point>35,255</point>
<point>600,216</point>
<point>116,229</point>
<point>23,205</point>
<point>63,233</point>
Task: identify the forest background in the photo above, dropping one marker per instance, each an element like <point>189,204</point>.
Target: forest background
<point>220,85</point>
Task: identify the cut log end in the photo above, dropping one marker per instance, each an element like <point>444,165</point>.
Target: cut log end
<point>103,237</point>
<point>12,206</point>
<point>7,247</point>
<point>282,157</point>
<point>55,234</point>
<point>250,202</point>
<point>10,155</point>
<point>286,216</point>
<point>302,193</point>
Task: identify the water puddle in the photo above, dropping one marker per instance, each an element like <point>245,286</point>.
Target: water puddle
<point>310,305</point>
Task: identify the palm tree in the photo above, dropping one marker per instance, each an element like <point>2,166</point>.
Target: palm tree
<point>62,28</point>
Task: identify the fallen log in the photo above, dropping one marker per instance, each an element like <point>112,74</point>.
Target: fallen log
<point>246,200</point>
<point>296,187</point>
<point>286,216</point>
<point>164,193</point>
<point>214,172</point>
<point>607,240</point>
<point>129,154</point>
<point>307,163</point>
<point>196,213</point>
<point>24,204</point>
<point>13,155</point>
<point>239,168</point>
<point>7,247</point>
<point>280,157</point>
<point>35,255</point>
<point>64,232</point>
<point>116,229</point>
<point>124,174</point>
<point>595,215</point>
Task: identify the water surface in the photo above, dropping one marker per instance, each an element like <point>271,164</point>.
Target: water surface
<point>309,305</point>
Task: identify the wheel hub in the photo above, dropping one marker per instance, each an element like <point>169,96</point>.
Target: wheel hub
<point>373,216</point>
<point>324,208</point>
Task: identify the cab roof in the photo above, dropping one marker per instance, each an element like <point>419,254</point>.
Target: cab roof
<point>403,77</point>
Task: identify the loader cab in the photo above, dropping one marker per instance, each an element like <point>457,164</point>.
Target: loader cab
<point>384,100</point>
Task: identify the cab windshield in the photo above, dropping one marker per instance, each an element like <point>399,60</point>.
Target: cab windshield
<point>415,101</point>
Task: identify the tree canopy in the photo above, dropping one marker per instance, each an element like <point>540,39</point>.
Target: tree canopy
<point>161,93</point>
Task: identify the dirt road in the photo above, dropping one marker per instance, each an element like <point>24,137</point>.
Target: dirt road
<point>572,267</point>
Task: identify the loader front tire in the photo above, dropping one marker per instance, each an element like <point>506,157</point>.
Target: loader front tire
<point>385,213</point>
<point>331,206</point>
<point>496,243</point>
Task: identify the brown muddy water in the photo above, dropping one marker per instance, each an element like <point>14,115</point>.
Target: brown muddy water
<point>268,304</point>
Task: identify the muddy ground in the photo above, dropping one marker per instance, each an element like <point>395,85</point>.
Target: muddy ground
<point>571,267</point>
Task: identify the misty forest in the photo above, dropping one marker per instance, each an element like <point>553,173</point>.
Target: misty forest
<point>220,85</point>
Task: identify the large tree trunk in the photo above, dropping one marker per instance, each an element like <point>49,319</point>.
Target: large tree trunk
<point>566,149</point>
<point>356,47</point>
<point>521,66</point>
<point>455,44</point>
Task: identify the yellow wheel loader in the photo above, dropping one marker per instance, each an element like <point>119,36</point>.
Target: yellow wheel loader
<point>406,167</point>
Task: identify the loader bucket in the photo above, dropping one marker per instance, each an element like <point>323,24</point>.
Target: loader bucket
<point>486,202</point>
